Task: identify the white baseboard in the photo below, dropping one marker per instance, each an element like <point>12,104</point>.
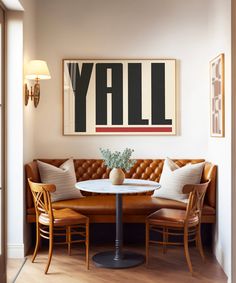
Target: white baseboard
<point>15,251</point>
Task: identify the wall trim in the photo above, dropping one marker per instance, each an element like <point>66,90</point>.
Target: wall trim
<point>15,251</point>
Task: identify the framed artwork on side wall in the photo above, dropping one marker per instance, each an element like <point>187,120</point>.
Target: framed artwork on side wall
<point>119,97</point>
<point>217,96</point>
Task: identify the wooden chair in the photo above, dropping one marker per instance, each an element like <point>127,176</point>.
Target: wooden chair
<point>176,222</point>
<point>57,223</point>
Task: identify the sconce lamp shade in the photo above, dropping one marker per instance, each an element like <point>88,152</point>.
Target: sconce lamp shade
<point>37,69</point>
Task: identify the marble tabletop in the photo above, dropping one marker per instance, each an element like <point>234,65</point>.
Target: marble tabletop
<point>129,186</point>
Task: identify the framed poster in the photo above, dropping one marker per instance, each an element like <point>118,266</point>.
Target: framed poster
<point>119,97</point>
<point>217,96</point>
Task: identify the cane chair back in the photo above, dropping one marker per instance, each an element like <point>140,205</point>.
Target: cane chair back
<point>42,198</point>
<point>195,200</point>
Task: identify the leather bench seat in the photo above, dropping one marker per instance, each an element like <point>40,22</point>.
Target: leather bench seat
<point>105,205</point>
<point>100,208</point>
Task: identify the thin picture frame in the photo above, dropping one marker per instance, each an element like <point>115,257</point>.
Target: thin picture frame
<point>217,97</point>
<point>68,121</point>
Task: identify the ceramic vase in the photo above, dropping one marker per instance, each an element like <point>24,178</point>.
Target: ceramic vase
<point>117,176</point>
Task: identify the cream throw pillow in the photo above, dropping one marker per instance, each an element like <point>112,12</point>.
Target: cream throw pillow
<point>62,177</point>
<point>173,178</point>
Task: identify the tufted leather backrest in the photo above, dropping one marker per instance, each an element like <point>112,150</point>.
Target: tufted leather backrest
<point>148,169</point>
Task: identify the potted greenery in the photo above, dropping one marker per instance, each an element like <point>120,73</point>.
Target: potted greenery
<point>117,161</point>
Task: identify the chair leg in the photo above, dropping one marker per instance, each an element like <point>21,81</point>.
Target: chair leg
<point>147,241</point>
<point>186,250</point>
<point>199,242</point>
<point>50,248</point>
<point>87,244</point>
<point>68,239</point>
<point>165,239</point>
<point>37,242</point>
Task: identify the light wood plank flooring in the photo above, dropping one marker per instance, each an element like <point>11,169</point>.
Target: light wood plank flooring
<point>13,267</point>
<point>163,268</point>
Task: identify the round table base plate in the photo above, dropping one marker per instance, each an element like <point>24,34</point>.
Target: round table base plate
<point>106,259</point>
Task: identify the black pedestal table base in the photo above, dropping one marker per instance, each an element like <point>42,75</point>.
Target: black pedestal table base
<point>118,258</point>
<point>107,260</point>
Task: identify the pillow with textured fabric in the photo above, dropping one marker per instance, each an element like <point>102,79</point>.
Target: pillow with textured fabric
<point>62,177</point>
<point>173,178</point>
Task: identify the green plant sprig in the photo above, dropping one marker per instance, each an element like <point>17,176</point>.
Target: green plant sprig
<point>118,159</point>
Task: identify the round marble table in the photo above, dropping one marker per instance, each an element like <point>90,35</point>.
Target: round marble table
<point>118,258</point>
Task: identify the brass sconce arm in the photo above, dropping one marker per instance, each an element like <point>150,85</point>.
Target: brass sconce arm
<point>33,94</point>
<point>37,69</point>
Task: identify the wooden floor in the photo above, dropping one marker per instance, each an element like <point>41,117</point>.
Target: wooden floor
<point>163,268</point>
<point>13,267</point>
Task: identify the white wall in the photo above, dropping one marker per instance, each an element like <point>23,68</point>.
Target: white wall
<point>219,149</point>
<point>233,198</point>
<point>29,32</point>
<point>193,32</point>
<point>29,54</point>
<point>14,109</point>
<point>124,29</point>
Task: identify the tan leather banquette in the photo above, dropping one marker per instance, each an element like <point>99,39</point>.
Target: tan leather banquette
<point>101,208</point>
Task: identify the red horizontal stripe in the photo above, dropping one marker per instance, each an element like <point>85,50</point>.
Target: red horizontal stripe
<point>134,129</point>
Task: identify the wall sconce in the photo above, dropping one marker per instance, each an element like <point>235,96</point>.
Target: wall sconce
<point>36,70</point>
